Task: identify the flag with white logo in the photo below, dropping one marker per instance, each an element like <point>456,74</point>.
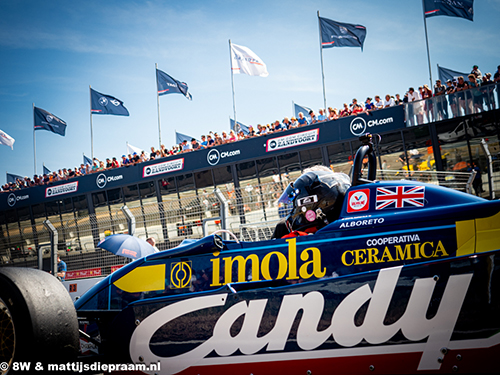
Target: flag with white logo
<point>400,197</point>
<point>169,85</point>
<point>455,8</point>
<point>337,34</point>
<point>6,139</point>
<point>238,126</point>
<point>47,121</point>
<point>245,61</point>
<point>106,104</point>
<point>448,74</point>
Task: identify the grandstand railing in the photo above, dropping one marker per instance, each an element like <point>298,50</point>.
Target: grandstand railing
<point>251,213</point>
<point>466,102</point>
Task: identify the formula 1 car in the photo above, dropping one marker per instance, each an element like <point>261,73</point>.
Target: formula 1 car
<point>405,281</point>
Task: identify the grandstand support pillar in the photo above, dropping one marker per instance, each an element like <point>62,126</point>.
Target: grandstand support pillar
<point>224,212</point>
<point>130,219</point>
<point>54,239</point>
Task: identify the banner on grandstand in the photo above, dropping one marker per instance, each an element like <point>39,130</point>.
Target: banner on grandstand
<point>102,104</point>
<point>448,74</point>
<point>337,34</point>
<point>455,8</point>
<point>168,85</point>
<point>245,61</point>
<point>47,121</point>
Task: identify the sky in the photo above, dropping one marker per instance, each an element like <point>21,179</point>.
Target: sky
<point>52,51</point>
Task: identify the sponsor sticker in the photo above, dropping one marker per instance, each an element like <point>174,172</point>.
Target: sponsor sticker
<point>165,167</point>
<point>81,274</point>
<point>292,140</point>
<point>400,197</point>
<point>358,201</point>
<point>180,275</point>
<point>61,189</point>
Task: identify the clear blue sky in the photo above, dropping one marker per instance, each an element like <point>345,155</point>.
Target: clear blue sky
<point>51,51</point>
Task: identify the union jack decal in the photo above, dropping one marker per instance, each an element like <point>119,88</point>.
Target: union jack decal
<point>400,196</point>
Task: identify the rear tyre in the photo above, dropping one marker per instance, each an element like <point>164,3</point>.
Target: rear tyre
<point>38,321</point>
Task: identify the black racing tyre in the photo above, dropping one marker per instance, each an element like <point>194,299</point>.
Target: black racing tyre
<point>38,321</point>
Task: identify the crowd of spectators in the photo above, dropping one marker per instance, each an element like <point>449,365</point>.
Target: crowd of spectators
<point>451,94</point>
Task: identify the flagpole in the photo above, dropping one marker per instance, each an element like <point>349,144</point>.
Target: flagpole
<point>158,107</point>
<point>232,78</point>
<point>91,128</point>
<point>34,139</point>
<point>427,44</point>
<point>322,70</point>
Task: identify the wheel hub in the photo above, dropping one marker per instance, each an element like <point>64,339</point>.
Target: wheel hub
<point>7,338</point>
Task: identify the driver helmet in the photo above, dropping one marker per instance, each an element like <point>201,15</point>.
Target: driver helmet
<point>316,198</point>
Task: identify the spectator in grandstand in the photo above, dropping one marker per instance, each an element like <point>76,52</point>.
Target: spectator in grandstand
<point>461,86</point>
<point>125,161</point>
<point>302,120</point>
<point>415,109</point>
<point>428,104</point>
<point>321,116</point>
<point>379,104</point>
<point>232,137</point>
<point>210,141</point>
<point>185,146</point>
<point>332,114</point>
<point>369,106</point>
<point>452,97</point>
<point>389,102</point>
<point>224,137</point>
<point>82,171</point>
<point>61,269</point>
<point>204,143</point>
<point>286,124</point>
<point>487,91</point>
<point>137,159</point>
<point>398,100</point>
<point>240,136</point>
<point>61,175</point>
<point>251,132</point>
<point>277,126</point>
<point>144,157</point>
<point>476,104</point>
<point>293,123</point>
<point>114,163</point>
<point>356,107</point>
<point>346,111</point>
<point>477,73</point>
<point>195,145</point>
<point>108,163</point>
<point>441,102</point>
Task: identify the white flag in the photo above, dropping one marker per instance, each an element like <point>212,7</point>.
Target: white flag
<point>6,139</point>
<point>244,61</point>
<point>131,149</point>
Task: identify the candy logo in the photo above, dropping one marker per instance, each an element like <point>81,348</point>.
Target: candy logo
<point>358,201</point>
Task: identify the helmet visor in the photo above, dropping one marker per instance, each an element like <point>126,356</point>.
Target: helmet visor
<point>288,195</point>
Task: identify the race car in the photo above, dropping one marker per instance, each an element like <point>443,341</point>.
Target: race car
<point>405,280</point>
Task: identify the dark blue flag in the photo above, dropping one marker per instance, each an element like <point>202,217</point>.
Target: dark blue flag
<point>336,34</point>
<point>169,85</point>
<point>241,127</point>
<point>448,74</point>
<point>46,170</point>
<point>106,104</point>
<point>179,137</point>
<point>452,8</point>
<point>47,121</point>
<point>11,177</point>
<point>87,160</point>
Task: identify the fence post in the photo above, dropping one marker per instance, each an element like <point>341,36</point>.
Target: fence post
<point>130,219</point>
<point>224,212</point>
<point>54,239</point>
